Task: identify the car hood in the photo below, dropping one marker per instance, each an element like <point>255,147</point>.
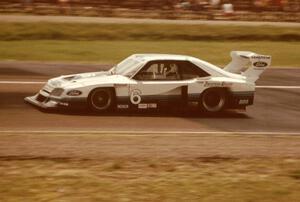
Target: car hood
<point>84,79</point>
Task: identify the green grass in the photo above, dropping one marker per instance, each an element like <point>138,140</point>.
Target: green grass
<point>79,31</point>
<point>110,43</point>
<point>242,180</point>
<point>283,53</point>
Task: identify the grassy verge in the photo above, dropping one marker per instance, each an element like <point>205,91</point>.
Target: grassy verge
<point>109,43</point>
<point>206,179</point>
<point>152,167</point>
<point>78,31</point>
<point>283,53</point>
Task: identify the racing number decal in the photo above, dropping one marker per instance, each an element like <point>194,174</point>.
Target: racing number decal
<point>135,96</point>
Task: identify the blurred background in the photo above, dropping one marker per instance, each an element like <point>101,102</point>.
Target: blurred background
<point>106,31</point>
<point>266,10</point>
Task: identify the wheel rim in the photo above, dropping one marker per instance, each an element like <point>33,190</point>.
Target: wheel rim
<point>213,101</point>
<point>101,100</point>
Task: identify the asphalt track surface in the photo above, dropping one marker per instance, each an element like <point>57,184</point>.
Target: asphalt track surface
<point>276,110</point>
<point>76,19</point>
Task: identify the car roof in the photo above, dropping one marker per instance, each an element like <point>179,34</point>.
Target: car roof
<point>152,56</point>
<point>212,69</point>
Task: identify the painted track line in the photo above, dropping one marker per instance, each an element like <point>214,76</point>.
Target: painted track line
<point>147,133</point>
<point>118,20</point>
<point>278,87</point>
<point>43,82</point>
<point>22,82</point>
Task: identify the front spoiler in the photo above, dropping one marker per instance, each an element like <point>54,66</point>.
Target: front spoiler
<point>44,105</point>
<point>52,103</point>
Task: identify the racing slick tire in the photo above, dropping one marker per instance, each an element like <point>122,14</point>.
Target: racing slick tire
<point>213,100</point>
<point>101,100</point>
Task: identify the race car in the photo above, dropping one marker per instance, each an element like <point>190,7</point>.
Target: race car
<point>149,81</point>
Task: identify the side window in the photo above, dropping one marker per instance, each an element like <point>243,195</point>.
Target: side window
<point>189,71</point>
<point>171,72</point>
<point>158,71</point>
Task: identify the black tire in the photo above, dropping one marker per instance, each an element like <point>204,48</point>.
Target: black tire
<point>101,100</point>
<point>213,100</point>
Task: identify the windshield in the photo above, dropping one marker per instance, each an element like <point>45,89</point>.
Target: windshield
<point>127,67</point>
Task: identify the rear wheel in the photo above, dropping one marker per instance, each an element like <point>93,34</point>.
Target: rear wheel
<point>101,99</point>
<point>213,100</point>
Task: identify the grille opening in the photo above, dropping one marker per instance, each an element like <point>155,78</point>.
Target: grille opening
<point>41,98</point>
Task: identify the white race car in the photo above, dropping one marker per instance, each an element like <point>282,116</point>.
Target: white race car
<point>150,81</point>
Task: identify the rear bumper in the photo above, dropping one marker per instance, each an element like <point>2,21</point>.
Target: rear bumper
<point>55,103</point>
<point>239,100</point>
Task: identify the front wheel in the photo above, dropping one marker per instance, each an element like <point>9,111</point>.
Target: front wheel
<point>101,100</point>
<point>213,100</point>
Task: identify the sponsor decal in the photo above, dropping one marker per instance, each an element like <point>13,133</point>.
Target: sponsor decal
<point>260,64</point>
<point>211,84</point>
<point>64,104</point>
<point>243,102</point>
<point>142,106</point>
<point>74,93</point>
<point>121,85</point>
<point>135,96</point>
<point>52,102</point>
<point>149,105</point>
<point>152,105</point>
<point>193,103</point>
<point>123,106</point>
<point>217,84</point>
<point>261,57</point>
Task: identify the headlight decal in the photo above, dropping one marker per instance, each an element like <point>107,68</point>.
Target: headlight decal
<point>57,91</point>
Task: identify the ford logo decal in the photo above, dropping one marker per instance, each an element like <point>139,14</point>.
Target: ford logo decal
<point>260,64</point>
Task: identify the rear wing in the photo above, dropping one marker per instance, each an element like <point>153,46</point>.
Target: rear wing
<point>248,64</point>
